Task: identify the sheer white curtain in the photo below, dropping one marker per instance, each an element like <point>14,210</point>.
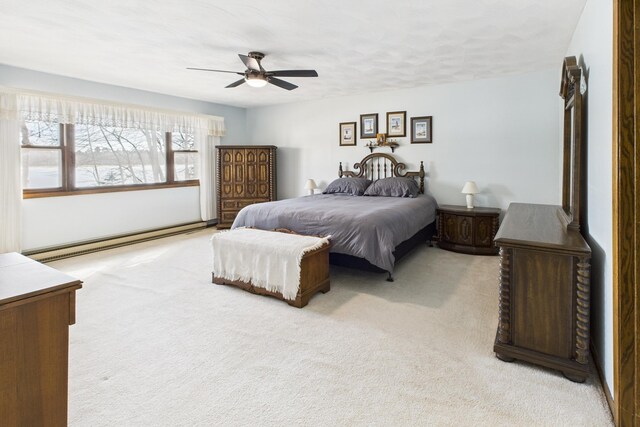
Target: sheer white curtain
<point>10,183</point>
<point>206,138</point>
<point>206,149</point>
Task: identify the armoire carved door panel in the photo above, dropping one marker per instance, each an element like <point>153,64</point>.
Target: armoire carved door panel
<point>227,172</point>
<point>252,178</point>
<point>246,175</point>
<point>263,169</point>
<point>238,173</point>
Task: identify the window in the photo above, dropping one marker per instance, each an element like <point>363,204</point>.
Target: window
<point>185,156</point>
<point>42,155</point>
<point>63,159</point>
<point>108,156</point>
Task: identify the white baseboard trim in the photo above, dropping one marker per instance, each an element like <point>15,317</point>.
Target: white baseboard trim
<point>60,252</point>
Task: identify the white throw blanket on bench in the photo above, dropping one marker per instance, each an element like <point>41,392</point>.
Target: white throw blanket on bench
<point>268,259</point>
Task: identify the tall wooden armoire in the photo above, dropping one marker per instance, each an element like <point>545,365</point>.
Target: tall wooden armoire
<point>246,175</point>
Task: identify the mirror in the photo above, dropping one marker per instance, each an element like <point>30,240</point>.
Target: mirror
<point>570,91</point>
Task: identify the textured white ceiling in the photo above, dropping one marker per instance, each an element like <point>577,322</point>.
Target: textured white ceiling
<point>356,46</point>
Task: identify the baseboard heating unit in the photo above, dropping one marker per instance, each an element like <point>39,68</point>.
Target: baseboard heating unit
<point>81,248</point>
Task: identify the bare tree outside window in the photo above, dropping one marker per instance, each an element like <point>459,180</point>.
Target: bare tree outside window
<point>108,156</point>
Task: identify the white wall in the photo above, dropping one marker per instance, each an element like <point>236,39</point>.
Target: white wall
<point>502,133</point>
<point>52,221</point>
<point>60,220</point>
<point>592,44</point>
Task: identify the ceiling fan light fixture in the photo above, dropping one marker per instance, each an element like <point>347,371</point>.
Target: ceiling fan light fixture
<point>256,76</point>
<point>256,80</point>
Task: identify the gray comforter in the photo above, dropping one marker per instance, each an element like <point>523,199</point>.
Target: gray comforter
<point>365,227</point>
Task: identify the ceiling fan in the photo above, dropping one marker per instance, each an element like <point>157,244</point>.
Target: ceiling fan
<point>256,76</point>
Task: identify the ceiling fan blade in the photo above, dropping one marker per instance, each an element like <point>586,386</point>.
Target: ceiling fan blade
<point>236,83</point>
<point>250,63</point>
<point>282,83</point>
<point>293,73</point>
<point>217,71</point>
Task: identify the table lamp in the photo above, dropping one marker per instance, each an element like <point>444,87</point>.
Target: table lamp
<point>470,188</point>
<point>310,186</point>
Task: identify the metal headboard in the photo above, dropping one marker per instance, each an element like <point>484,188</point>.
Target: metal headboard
<point>381,165</point>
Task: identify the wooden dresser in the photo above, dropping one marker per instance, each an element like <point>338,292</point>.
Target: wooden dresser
<point>246,175</point>
<point>467,230</point>
<point>37,305</point>
<point>544,290</point>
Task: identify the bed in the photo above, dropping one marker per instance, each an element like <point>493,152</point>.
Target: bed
<point>366,232</point>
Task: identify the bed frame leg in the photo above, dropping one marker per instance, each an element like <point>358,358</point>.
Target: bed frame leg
<point>390,278</point>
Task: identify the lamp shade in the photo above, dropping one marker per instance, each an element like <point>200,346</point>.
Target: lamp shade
<point>310,185</point>
<point>470,187</point>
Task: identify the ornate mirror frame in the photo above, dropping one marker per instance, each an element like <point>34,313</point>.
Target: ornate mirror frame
<point>570,92</point>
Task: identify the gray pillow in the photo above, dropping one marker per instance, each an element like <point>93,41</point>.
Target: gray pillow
<point>353,186</point>
<point>393,187</point>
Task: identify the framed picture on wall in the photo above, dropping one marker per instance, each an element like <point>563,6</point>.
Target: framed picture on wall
<point>422,130</point>
<point>348,133</point>
<point>396,123</point>
<point>368,125</point>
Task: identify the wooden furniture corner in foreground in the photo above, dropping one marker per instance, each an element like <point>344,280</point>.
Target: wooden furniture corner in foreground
<point>37,305</point>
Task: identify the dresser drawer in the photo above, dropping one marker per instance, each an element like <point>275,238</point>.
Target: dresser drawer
<point>239,204</point>
<point>228,216</point>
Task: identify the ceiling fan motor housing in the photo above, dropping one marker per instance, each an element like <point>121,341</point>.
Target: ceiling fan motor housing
<point>256,55</point>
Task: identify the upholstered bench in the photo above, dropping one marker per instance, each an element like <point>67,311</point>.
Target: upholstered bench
<point>281,264</point>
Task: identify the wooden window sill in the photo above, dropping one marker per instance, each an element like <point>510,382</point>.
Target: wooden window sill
<point>34,194</point>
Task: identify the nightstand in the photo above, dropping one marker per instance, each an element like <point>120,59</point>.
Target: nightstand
<point>468,230</point>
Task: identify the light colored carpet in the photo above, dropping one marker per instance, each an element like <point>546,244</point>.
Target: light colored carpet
<point>156,343</point>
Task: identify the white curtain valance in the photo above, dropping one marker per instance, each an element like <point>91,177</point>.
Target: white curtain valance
<point>51,108</point>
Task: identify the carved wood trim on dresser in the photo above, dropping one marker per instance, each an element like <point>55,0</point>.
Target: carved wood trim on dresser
<point>504,308</point>
<point>246,174</point>
<point>544,306</point>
